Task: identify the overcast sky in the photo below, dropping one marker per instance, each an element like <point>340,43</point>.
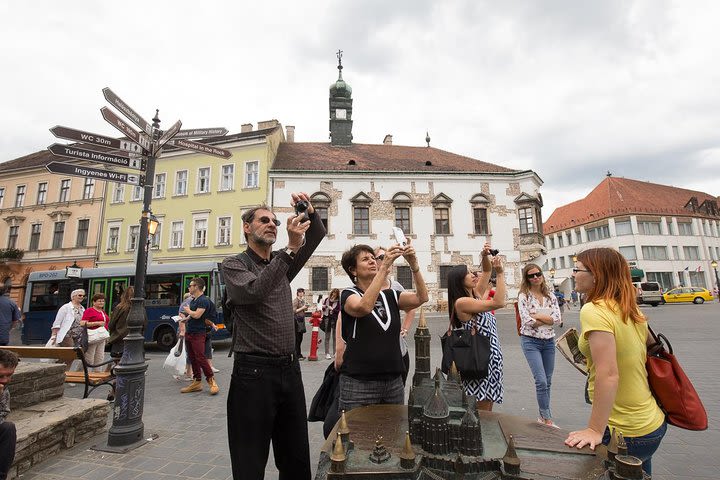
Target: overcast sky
<point>568,88</point>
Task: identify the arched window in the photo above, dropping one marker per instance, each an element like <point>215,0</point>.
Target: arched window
<point>479,204</point>
<point>321,203</point>
<point>361,213</point>
<point>441,214</point>
<point>403,205</point>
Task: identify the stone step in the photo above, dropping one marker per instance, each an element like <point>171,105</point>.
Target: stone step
<point>35,382</point>
<point>46,428</point>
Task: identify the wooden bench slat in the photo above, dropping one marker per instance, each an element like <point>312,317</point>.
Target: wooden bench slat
<point>61,353</point>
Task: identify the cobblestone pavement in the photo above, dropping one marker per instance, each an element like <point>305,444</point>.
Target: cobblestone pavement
<point>191,438</point>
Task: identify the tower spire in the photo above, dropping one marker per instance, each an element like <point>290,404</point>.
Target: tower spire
<point>340,108</point>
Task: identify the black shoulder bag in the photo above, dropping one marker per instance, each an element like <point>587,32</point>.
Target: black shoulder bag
<point>469,350</point>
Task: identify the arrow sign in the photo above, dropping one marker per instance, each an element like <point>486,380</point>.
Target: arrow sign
<point>124,128</point>
<point>95,139</point>
<point>201,147</point>
<point>138,163</point>
<point>131,114</point>
<point>169,133</point>
<point>202,133</point>
<point>86,172</point>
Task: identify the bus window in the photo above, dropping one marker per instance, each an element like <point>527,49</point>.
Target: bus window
<point>44,296</point>
<point>162,290</point>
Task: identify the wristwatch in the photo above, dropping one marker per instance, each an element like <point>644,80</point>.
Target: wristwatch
<point>289,252</point>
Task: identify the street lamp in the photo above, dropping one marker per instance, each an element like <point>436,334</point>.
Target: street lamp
<point>153,224</point>
<point>714,265</point>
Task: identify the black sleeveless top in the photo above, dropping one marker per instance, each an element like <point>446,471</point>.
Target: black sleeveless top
<point>373,348</point>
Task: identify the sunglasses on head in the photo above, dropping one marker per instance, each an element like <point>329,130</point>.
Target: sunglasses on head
<point>266,220</point>
<point>535,275</point>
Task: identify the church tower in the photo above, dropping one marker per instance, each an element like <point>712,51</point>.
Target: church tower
<point>422,350</point>
<point>340,109</point>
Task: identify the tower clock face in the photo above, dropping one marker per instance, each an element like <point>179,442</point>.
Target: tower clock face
<point>341,114</point>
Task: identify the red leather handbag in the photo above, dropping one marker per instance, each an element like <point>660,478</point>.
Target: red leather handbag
<point>672,389</point>
<point>518,320</point>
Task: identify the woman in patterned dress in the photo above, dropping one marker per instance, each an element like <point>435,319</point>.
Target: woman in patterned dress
<point>469,307</point>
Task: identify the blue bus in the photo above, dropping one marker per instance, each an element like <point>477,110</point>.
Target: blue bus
<point>165,285</point>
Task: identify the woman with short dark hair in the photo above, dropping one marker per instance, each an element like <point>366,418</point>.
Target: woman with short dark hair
<point>470,307</point>
<point>93,319</point>
<point>372,367</point>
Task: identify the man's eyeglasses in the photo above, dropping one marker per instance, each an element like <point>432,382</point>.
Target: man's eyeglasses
<point>535,275</point>
<point>576,270</point>
<point>266,220</point>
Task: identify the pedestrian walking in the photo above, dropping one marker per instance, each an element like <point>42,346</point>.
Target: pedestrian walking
<point>266,400</point>
<point>66,329</point>
<point>331,308</point>
<point>9,315</point>
<point>198,312</point>
<point>118,325</point>
<point>299,308</point>
<point>95,321</point>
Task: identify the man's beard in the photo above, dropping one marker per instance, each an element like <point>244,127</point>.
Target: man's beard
<point>262,240</point>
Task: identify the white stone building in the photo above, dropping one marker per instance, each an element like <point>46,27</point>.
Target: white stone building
<point>669,235</point>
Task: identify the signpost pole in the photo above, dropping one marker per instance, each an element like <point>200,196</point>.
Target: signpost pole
<point>127,429</point>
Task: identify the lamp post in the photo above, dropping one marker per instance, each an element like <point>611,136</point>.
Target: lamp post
<point>127,428</point>
<point>714,265</point>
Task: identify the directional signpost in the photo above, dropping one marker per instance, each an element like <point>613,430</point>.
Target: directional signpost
<point>117,102</point>
<point>95,139</point>
<point>169,133</point>
<point>201,147</point>
<point>202,133</point>
<point>87,172</point>
<point>124,128</point>
<point>137,163</point>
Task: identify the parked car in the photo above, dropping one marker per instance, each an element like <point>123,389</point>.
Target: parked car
<point>649,293</point>
<point>688,294</point>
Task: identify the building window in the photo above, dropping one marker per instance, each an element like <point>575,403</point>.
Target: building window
<point>691,253</point>
<point>176,235</point>
<point>649,228</point>
<point>133,237</point>
<point>562,262</point>
<point>663,278</point>
<point>64,191</point>
<point>227,179</point>
<point>443,273</point>
<point>2,196</point>
<point>155,239</point>
<point>442,220</point>
<point>654,252</point>
<point>224,228</point>
<point>181,179</point>
<point>405,276</point>
<point>113,239</point>
<point>203,185</point>
<point>552,243</point>
<point>35,230</point>
<point>629,252</point>
<point>623,227</point>
<point>58,234</point>
<point>402,218</point>
<point>480,221</point>
<point>676,253</point>
<point>320,279</point>
<point>597,233</point>
<point>568,236</point>
<point>685,228</point>
<point>697,279</point>
<point>706,228</point>
<point>138,193</point>
<point>578,236</point>
<point>322,213</point>
<point>13,236</point>
<point>560,241</point>
<point>527,223</point>
<point>200,232</point>
<point>118,193</point>
<point>20,196</point>
<point>159,189</point>
<point>88,188</point>
<point>361,220</point>
<point>82,233</point>
<point>669,224</point>
<point>321,203</point>
<point>42,193</point>
<point>553,262</point>
<point>252,174</point>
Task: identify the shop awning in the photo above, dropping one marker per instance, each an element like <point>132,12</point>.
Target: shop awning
<point>636,273</point>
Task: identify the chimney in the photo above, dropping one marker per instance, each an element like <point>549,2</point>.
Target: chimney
<point>246,127</point>
<point>387,140</point>
<point>267,124</point>
<point>290,135</point>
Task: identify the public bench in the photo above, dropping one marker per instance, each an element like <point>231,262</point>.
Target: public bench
<point>91,380</point>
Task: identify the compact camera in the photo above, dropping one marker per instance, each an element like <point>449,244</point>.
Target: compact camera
<point>301,207</point>
<point>494,252</point>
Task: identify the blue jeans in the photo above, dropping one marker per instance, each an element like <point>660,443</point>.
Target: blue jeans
<point>540,355</point>
<point>642,447</point>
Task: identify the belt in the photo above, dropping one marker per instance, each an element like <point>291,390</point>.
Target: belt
<point>266,359</point>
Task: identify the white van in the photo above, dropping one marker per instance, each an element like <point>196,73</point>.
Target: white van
<point>649,293</point>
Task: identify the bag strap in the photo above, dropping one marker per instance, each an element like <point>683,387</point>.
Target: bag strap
<point>661,341</point>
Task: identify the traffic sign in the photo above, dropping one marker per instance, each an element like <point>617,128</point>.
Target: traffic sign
<point>137,162</point>
<point>169,133</point>
<point>95,139</point>
<point>124,128</point>
<point>202,133</point>
<point>131,114</point>
<point>201,147</point>
<point>87,172</point>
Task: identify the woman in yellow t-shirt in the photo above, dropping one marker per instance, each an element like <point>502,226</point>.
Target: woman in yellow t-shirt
<point>614,341</point>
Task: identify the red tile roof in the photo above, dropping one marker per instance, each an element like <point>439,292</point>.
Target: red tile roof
<point>622,196</point>
<point>376,158</point>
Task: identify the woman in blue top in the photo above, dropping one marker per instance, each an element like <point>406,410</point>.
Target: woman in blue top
<point>469,307</point>
<point>371,372</point>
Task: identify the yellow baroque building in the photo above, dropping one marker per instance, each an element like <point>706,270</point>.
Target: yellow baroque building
<point>197,198</point>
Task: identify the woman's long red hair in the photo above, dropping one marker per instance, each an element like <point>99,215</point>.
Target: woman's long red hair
<point>613,283</point>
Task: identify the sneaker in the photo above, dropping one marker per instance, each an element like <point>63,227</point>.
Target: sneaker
<point>215,370</point>
<point>548,422</point>
<point>214,389</point>
<point>328,356</point>
<point>195,386</point>
<point>301,357</point>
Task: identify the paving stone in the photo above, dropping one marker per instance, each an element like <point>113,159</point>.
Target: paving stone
<point>197,470</point>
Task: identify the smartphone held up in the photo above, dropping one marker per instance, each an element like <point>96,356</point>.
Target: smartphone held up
<point>400,236</point>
